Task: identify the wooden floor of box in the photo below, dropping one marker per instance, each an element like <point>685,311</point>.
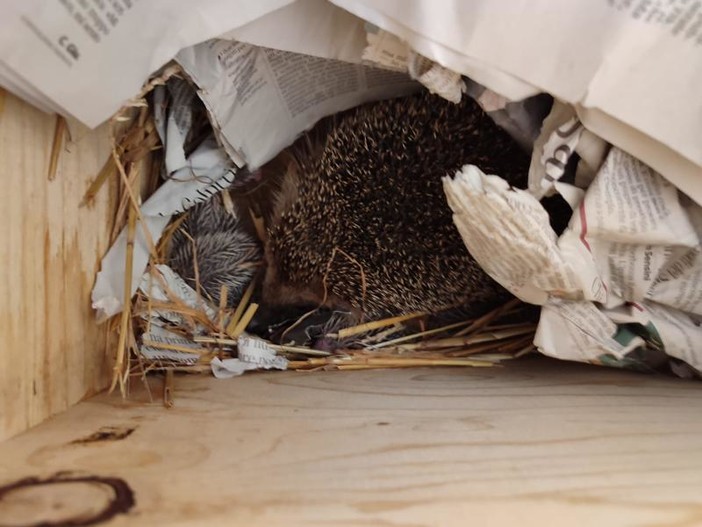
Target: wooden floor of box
<point>535,442</point>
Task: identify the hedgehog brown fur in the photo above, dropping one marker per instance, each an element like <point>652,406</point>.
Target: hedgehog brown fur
<point>362,222</point>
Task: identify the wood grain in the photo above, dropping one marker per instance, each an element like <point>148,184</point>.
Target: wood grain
<point>51,352</point>
<point>534,443</point>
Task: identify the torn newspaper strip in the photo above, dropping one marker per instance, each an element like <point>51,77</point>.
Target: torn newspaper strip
<point>157,344</point>
<point>253,354</point>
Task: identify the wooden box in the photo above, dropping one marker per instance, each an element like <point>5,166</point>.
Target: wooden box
<point>535,442</point>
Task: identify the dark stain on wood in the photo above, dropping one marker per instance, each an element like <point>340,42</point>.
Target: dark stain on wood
<point>106,433</point>
<point>121,501</point>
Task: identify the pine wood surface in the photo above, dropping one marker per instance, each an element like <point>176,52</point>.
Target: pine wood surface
<point>51,352</point>
<point>534,443</point>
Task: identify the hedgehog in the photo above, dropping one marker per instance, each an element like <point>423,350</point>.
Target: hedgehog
<point>357,223</point>
<point>214,247</point>
<point>361,224</point>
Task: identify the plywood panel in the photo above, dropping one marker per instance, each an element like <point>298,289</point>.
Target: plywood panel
<point>536,443</point>
<point>51,353</point>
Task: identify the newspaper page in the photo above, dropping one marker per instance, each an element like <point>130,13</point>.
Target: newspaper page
<point>640,336</point>
<point>633,223</point>
<point>609,58</point>
<point>10,81</point>
<point>311,27</point>
<point>495,219</point>
<point>621,286</point>
<point>676,332</point>
<point>563,135</point>
<point>591,336</point>
<point>262,99</point>
<point>645,239</point>
<point>88,57</point>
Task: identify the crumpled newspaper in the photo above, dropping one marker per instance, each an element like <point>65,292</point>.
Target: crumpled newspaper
<point>253,354</point>
<point>625,276</point>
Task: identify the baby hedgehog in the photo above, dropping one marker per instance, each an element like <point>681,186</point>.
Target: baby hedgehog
<point>361,221</point>
<point>225,252</point>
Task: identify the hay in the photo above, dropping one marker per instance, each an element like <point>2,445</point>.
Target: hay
<point>121,359</point>
<point>134,138</point>
<point>483,342</point>
<point>59,133</point>
<point>370,326</point>
<point>239,311</point>
<point>487,344</point>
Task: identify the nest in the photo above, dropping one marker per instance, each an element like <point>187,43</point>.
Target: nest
<point>396,342</point>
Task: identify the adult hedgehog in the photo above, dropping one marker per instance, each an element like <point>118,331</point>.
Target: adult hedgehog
<point>361,222</point>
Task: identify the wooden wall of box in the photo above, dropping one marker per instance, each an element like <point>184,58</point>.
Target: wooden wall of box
<point>52,354</point>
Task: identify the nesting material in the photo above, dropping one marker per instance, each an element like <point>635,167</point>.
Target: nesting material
<point>480,342</point>
<point>200,298</point>
<point>133,144</point>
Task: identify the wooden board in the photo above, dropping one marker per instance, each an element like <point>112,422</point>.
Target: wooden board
<point>51,353</point>
<point>535,443</point>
